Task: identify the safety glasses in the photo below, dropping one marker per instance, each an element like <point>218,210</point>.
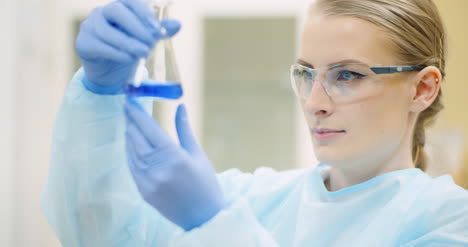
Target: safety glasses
<point>344,82</point>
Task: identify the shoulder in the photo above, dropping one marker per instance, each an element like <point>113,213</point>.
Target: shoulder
<point>440,195</point>
<point>440,214</point>
<point>446,202</point>
<point>443,193</point>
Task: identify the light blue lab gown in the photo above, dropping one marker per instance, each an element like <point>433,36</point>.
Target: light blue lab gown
<point>90,199</point>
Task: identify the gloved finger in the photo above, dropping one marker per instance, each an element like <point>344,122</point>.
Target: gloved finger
<point>172,26</point>
<point>89,47</point>
<point>142,147</point>
<point>118,39</point>
<point>142,10</point>
<point>132,159</point>
<point>149,127</point>
<point>186,138</point>
<point>118,14</point>
<point>149,156</point>
<point>139,176</point>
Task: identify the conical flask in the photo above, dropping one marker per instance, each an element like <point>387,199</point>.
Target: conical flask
<point>163,80</point>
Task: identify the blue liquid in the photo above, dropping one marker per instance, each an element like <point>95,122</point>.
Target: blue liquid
<point>155,89</point>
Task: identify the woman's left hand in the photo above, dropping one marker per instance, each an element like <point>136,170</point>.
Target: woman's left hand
<point>177,180</point>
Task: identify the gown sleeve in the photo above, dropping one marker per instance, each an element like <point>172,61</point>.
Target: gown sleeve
<point>90,198</point>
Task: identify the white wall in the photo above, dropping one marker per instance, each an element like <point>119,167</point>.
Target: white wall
<point>31,87</point>
<point>7,90</point>
<point>38,90</point>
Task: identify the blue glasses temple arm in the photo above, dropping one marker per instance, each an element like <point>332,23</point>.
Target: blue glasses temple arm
<point>396,69</point>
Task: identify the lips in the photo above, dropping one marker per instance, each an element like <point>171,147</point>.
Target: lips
<point>325,133</point>
<point>325,130</point>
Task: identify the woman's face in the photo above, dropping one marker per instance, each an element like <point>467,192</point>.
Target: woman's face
<point>371,128</point>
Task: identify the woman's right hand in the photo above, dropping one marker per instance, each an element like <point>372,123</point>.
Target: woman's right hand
<point>113,38</point>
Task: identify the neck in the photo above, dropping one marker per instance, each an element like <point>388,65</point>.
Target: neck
<point>343,176</point>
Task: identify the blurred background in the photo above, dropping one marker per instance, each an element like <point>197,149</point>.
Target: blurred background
<point>234,57</point>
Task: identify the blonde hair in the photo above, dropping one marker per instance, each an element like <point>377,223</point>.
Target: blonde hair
<point>416,30</point>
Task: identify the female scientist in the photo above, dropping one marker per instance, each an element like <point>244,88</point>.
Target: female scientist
<point>368,78</point>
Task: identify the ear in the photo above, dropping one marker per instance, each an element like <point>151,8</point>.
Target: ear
<point>426,88</point>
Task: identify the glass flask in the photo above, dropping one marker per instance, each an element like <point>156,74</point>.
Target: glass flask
<point>163,80</point>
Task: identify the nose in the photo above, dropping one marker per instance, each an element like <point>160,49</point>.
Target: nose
<point>319,103</point>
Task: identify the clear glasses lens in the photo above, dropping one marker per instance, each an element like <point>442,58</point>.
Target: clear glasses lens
<point>344,82</point>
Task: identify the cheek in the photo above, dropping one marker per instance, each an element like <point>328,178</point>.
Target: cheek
<point>374,126</point>
<point>378,122</point>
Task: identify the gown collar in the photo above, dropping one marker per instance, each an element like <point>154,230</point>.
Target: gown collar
<point>322,172</point>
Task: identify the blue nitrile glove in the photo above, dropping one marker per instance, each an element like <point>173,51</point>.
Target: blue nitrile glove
<point>112,39</point>
<point>177,180</point>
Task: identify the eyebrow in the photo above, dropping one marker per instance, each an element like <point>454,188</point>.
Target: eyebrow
<point>306,64</point>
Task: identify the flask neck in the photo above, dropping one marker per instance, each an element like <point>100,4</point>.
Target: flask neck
<point>160,8</point>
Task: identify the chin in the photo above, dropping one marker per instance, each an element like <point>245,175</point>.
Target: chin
<point>329,158</point>
<point>333,156</point>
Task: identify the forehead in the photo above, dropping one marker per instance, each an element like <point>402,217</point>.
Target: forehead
<point>328,39</point>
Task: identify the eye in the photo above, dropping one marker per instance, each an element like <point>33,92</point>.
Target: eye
<point>347,75</point>
<point>298,72</point>
<point>303,74</point>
